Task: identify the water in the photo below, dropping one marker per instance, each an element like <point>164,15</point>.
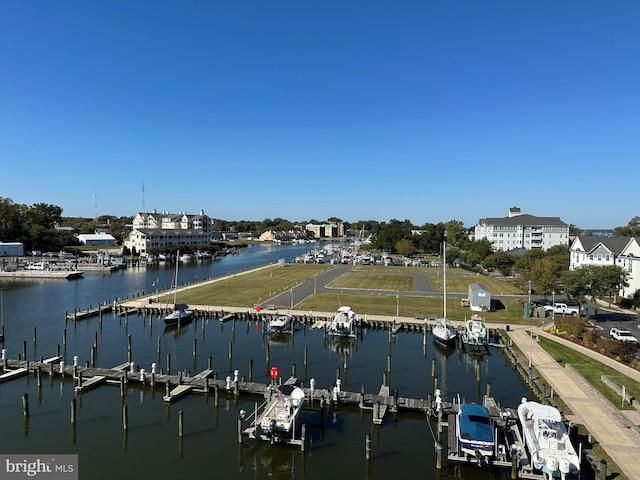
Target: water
<point>152,448</point>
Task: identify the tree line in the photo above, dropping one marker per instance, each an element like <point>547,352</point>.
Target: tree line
<point>544,272</point>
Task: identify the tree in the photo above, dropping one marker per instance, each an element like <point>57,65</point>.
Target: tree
<point>478,251</point>
<point>501,261</point>
<point>631,230</point>
<point>406,247</point>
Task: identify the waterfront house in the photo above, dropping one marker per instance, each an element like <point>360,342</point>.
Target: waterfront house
<point>600,251</point>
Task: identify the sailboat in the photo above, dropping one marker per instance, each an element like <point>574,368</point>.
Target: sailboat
<point>443,332</point>
<point>181,313</point>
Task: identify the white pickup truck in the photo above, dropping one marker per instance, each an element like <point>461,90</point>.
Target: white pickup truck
<point>624,335</point>
<point>562,309</point>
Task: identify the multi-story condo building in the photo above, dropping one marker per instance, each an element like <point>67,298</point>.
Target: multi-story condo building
<point>600,251</point>
<point>522,231</point>
<point>167,230</point>
<point>326,230</point>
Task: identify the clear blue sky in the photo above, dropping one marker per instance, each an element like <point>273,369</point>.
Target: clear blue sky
<point>422,110</point>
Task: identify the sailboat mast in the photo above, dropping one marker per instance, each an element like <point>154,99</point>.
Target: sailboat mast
<point>444,272</point>
<point>175,287</point>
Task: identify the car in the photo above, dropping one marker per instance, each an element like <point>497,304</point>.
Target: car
<point>623,335</point>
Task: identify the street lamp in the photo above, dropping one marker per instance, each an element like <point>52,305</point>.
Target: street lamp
<point>553,304</point>
<point>315,284</point>
<point>397,303</point>
<point>529,291</point>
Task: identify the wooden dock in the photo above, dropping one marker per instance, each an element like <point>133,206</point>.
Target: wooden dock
<point>510,452</point>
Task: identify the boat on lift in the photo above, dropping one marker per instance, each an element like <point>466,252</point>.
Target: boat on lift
<point>547,440</point>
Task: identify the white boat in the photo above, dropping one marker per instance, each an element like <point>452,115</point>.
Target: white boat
<point>475,331</point>
<point>443,332</point>
<point>475,432</point>
<point>343,323</point>
<point>280,323</point>
<point>181,312</point>
<point>278,421</point>
<point>547,440</point>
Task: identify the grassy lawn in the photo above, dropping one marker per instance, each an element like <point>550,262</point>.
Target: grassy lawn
<point>248,289</point>
<point>591,369</point>
<point>259,286</point>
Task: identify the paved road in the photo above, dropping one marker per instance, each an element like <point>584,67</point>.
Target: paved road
<point>590,409</point>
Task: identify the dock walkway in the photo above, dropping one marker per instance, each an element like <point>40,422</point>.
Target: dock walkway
<point>592,410</point>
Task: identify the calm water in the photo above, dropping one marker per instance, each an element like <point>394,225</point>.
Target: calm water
<point>151,447</point>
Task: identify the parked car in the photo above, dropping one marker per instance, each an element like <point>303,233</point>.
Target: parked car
<point>621,334</point>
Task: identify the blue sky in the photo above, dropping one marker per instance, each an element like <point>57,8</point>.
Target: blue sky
<point>422,110</point>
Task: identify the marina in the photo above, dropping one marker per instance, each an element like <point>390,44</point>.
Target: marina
<point>376,387</point>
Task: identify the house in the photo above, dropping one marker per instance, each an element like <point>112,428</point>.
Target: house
<point>520,230</point>
<point>600,251</point>
<point>479,297</point>
<point>97,239</point>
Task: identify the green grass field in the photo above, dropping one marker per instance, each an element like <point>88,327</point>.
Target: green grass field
<point>258,286</point>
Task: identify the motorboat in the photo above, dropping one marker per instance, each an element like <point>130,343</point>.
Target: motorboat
<point>280,323</point>
<point>278,420</point>
<point>475,331</point>
<point>475,432</point>
<point>343,323</point>
<point>547,440</point>
<point>443,332</point>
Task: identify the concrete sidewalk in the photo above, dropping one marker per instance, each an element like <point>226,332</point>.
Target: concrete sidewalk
<point>621,443</point>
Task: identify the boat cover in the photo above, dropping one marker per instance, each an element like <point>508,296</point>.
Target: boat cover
<point>475,423</point>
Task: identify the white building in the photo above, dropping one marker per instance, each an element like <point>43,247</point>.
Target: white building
<point>173,221</point>
<point>600,251</point>
<point>97,239</point>
<point>165,230</point>
<point>520,230</point>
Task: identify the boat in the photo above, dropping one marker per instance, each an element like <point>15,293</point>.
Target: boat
<point>278,421</point>
<point>181,312</point>
<point>343,323</point>
<point>547,440</point>
<point>475,432</point>
<point>443,332</point>
<point>280,323</point>
<point>475,331</point>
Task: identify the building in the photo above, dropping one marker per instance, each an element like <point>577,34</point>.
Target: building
<point>173,221</point>
<point>160,231</point>
<point>11,249</point>
<point>479,297</point>
<point>600,251</point>
<point>326,230</point>
<point>520,230</point>
<point>142,240</point>
<point>97,239</point>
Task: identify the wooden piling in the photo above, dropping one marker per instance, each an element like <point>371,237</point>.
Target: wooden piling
<point>35,337</point>
<point>303,436</point>
<point>129,356</point>
<point>25,404</point>
<point>367,446</point>
<point>181,423</point>
<point>73,411</point>
<point>195,343</point>
<point>125,417</point>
